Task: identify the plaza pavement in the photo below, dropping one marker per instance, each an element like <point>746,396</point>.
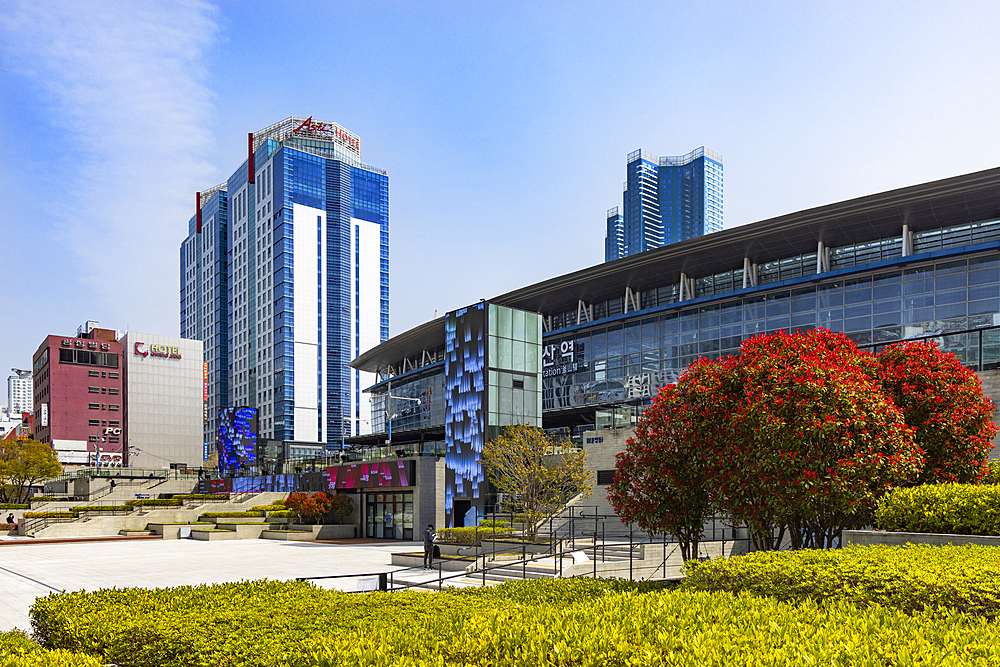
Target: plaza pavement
<point>31,570</point>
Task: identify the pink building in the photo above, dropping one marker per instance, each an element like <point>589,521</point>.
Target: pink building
<point>79,396</point>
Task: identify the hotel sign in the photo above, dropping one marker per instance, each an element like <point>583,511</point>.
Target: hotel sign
<point>156,350</point>
<point>329,131</point>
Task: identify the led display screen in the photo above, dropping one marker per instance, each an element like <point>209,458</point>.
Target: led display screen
<point>371,475</point>
<point>237,438</point>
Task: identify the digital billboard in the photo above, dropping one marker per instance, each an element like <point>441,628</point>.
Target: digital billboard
<point>237,438</point>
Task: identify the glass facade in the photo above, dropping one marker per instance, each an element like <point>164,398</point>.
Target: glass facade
<point>515,357</point>
<point>389,515</point>
<point>665,200</point>
<point>955,301</point>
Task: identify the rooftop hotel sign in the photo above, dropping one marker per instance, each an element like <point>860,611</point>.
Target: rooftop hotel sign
<point>156,350</point>
<point>320,129</point>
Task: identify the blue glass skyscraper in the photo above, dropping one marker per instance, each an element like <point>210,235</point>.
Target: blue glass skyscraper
<point>307,276</point>
<point>665,200</point>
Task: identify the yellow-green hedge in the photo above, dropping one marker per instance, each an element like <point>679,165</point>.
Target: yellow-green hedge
<point>471,535</point>
<point>582,623</point>
<point>960,509</point>
<point>909,578</point>
<point>16,650</point>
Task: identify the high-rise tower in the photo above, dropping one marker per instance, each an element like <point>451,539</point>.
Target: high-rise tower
<point>665,200</point>
<point>306,282</point>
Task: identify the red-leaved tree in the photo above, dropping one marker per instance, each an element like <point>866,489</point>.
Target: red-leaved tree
<point>943,402</point>
<point>661,479</point>
<point>814,441</point>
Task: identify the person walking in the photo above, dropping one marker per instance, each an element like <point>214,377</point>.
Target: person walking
<point>429,537</point>
<point>10,518</point>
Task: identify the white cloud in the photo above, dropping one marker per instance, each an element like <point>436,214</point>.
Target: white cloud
<point>126,90</point>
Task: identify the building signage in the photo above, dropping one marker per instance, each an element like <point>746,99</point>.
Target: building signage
<point>329,130</point>
<point>565,393</point>
<point>108,459</point>
<point>111,430</point>
<point>81,343</point>
<point>371,475</point>
<point>45,415</point>
<point>559,359</point>
<point>156,350</point>
<point>204,390</point>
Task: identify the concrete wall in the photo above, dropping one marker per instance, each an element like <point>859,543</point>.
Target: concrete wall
<point>879,537</point>
<point>657,561</point>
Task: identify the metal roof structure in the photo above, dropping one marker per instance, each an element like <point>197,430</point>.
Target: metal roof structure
<point>951,201</point>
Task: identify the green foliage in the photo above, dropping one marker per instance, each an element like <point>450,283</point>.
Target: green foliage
<point>221,515</point>
<point>911,578</point>
<point>202,496</point>
<point>538,474</point>
<point>49,515</point>
<point>583,623</point>
<point>267,508</point>
<point>959,509</point>
<point>154,502</point>
<point>15,506</point>
<point>8,526</point>
<point>47,499</point>
<point>17,650</point>
<point>309,508</point>
<point>23,464</point>
<point>992,475</point>
<point>102,508</point>
<point>471,535</point>
<point>281,514</point>
<point>341,505</point>
<point>494,523</point>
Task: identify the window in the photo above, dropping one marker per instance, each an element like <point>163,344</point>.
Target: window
<point>94,390</point>
<point>113,376</point>
<point>94,422</point>
<point>94,374</point>
<point>113,407</point>
<point>114,422</point>
<point>104,390</point>
<point>95,406</point>
<point>113,390</point>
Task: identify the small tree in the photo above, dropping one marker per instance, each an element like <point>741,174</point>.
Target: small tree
<point>23,464</point>
<point>342,506</point>
<point>943,402</point>
<point>537,474</point>
<point>661,481</point>
<point>309,508</point>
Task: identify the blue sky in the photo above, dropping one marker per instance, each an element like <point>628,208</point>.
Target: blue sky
<point>503,126</point>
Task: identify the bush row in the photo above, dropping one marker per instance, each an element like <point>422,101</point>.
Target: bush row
<point>282,513</point>
<point>8,526</point>
<point>268,508</point>
<point>15,506</point>
<point>960,509</point>
<point>910,578</point>
<point>581,622</point>
<point>102,508</point>
<point>201,496</point>
<point>49,515</point>
<point>221,515</point>
<point>16,650</point>
<point>154,502</point>
<point>470,535</point>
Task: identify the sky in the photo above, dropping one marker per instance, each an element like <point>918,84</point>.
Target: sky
<point>504,128</point>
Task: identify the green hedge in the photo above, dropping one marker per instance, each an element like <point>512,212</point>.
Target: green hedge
<point>471,535</point>
<point>50,515</point>
<point>491,523</point>
<point>959,509</point>
<point>268,508</point>
<point>201,496</point>
<point>280,514</point>
<point>221,515</point>
<point>154,502</point>
<point>8,526</point>
<point>47,499</point>
<point>15,506</point>
<point>909,578</point>
<point>102,508</point>
<point>580,622</point>
<point>992,472</point>
<point>16,650</point>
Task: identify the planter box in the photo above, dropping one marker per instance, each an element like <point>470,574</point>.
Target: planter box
<point>210,535</point>
<point>872,537</point>
<point>287,535</point>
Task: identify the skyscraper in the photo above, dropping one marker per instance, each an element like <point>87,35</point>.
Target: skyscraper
<point>19,392</point>
<point>303,227</point>
<point>665,200</point>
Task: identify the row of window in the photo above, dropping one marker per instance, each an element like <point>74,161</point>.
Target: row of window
<point>104,406</point>
<point>103,390</point>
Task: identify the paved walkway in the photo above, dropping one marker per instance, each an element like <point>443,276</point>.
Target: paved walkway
<point>31,570</point>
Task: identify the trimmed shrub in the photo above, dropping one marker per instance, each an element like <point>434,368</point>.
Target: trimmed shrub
<point>50,515</point>
<point>201,496</point>
<point>8,526</point>
<point>234,515</point>
<point>992,475</point>
<point>471,535</point>
<point>102,508</point>
<point>911,578</point>
<point>584,623</point>
<point>268,508</point>
<point>15,506</point>
<point>281,514</point>
<point>154,502</point>
<point>958,509</point>
<point>491,523</point>
<point>17,650</point>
